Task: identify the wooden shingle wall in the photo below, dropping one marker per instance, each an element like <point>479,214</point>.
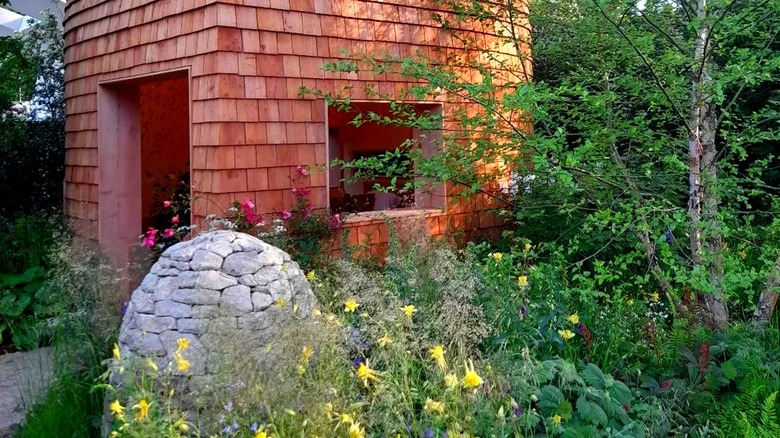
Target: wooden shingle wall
<point>247,60</point>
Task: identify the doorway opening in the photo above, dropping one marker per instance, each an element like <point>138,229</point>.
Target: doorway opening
<point>143,158</point>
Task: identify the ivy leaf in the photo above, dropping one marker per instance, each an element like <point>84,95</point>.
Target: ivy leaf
<point>591,412</point>
<point>593,376</point>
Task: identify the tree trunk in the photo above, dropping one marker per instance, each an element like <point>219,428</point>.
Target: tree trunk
<point>702,197</point>
<point>768,299</point>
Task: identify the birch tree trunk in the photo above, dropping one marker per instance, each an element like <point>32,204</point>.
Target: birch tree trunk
<point>702,197</point>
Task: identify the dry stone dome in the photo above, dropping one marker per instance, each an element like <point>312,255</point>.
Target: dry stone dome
<point>199,289</point>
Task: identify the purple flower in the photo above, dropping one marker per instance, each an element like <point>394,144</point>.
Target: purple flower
<point>523,311</point>
<point>123,309</point>
<point>234,426</point>
<point>518,411</point>
<point>253,427</point>
<point>428,433</point>
<point>226,430</point>
<point>357,361</point>
<point>221,418</point>
<point>229,406</point>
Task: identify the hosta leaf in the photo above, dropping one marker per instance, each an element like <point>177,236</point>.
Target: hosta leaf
<point>593,376</point>
<point>620,392</point>
<point>591,412</point>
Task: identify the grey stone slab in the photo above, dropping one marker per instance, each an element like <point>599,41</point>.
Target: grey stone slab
<point>237,300</point>
<point>196,296</point>
<point>204,260</point>
<point>242,263</point>
<point>172,308</point>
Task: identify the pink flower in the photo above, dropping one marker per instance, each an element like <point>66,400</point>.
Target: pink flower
<point>151,233</point>
<point>301,192</point>
<point>166,204</point>
<point>175,219</point>
<point>247,204</point>
<point>168,233</point>
<point>148,242</point>
<point>286,215</point>
<point>302,170</point>
<point>307,211</point>
<point>334,222</point>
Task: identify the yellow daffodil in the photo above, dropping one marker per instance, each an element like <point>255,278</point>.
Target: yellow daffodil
<point>574,319</point>
<point>384,340</point>
<point>306,354</point>
<point>522,281</point>
<point>566,334</point>
<point>366,374</point>
<point>497,256</point>
<point>117,409</point>
<point>316,312</point>
<point>182,344</point>
<point>527,247</point>
<point>143,410</point>
<point>409,311</point>
<point>471,379</point>
<point>311,276</point>
<point>451,381</point>
<point>630,302</point>
<point>434,406</point>
<point>182,364</point>
<point>355,431</point>
<point>117,355</point>
<point>350,306</point>
<point>280,302</point>
<point>437,353</point>
<point>654,296</point>
<point>556,419</point>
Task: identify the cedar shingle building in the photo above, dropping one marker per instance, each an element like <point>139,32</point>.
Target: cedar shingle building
<point>209,89</point>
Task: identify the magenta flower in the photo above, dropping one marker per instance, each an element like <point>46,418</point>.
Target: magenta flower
<point>307,211</point>
<point>302,170</point>
<point>248,204</point>
<point>151,233</point>
<point>301,192</point>
<point>175,219</point>
<point>166,204</point>
<point>168,233</point>
<point>334,222</point>
<point>286,215</point>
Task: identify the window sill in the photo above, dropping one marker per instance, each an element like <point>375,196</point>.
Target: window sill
<point>365,216</point>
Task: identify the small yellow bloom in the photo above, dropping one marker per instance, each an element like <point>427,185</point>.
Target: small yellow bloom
<point>366,374</point>
<point>143,410</point>
<point>527,247</point>
<point>574,319</point>
<point>522,281</point>
<point>306,354</point>
<point>295,308</point>
<point>350,305</point>
<point>355,431</point>
<point>280,302</point>
<point>346,419</point>
<point>497,256</point>
<point>742,255</point>
<point>630,302</point>
<point>316,312</point>
<point>437,353</point>
<point>181,425</point>
<point>311,276</point>
<point>114,434</point>
<point>117,355</point>
<point>471,379</point>
<point>153,366</point>
<point>117,409</point>
<point>654,296</point>
<point>182,364</point>
<point>451,380</point>
<point>182,344</point>
<point>409,311</point>
<point>384,340</point>
<point>269,346</point>
<point>434,406</point>
<point>301,370</point>
<point>566,334</point>
<point>556,419</point>
<point>261,433</point>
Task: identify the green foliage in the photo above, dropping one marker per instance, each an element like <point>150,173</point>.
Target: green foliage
<point>17,73</point>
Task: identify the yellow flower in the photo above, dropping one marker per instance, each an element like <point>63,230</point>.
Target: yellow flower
<point>630,302</point>
<point>384,340</point>
<point>311,276</point>
<point>434,406</point>
<point>350,305</point>
<point>496,256</point>
<point>182,364</point>
<point>471,379</point>
<point>409,311</point>
<point>261,433</point>
<point>280,302</point>
<point>143,410</point>
<point>566,334</point>
<point>451,380</point>
<point>654,296</point>
<point>306,354</point>
<point>182,344</point>
<point>742,255</point>
<point>117,409</point>
<point>366,374</point>
<point>269,346</point>
<point>316,312</point>
<point>437,353</point>
<point>117,355</point>
<point>556,419</point>
<point>522,281</point>
<point>153,366</point>
<point>181,425</point>
<point>346,419</point>
<point>527,246</point>
<point>574,319</point>
<point>355,431</point>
